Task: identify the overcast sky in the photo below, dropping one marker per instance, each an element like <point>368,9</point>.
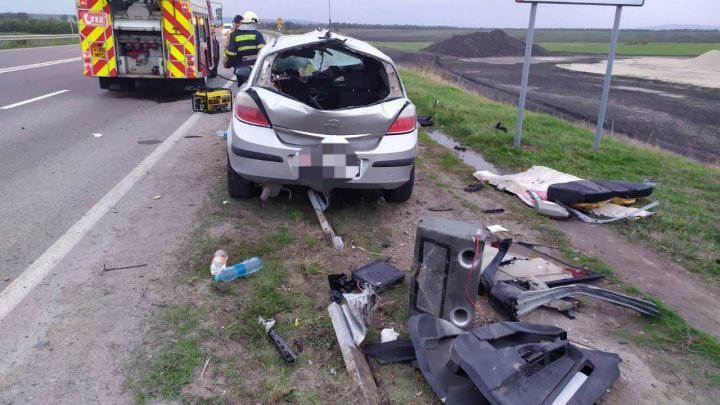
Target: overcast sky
<point>470,13</point>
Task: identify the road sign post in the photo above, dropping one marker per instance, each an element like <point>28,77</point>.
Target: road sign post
<point>525,74</point>
<point>611,59</point>
<point>608,77</point>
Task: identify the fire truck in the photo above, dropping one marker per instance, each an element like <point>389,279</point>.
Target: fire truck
<point>127,41</point>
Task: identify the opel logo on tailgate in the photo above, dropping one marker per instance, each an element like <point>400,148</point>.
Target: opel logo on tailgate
<point>332,126</point>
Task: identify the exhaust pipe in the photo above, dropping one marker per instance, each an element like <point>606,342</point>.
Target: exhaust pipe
<point>270,190</point>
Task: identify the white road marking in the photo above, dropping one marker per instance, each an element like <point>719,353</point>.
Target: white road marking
<point>14,293</point>
<point>38,65</point>
<point>7,107</point>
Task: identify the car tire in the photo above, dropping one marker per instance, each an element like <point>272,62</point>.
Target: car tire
<point>238,187</point>
<point>402,193</point>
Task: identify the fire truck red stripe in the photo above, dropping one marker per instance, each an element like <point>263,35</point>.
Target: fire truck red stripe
<point>99,65</point>
<point>177,25</point>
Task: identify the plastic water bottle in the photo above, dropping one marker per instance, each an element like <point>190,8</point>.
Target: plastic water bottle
<point>218,262</point>
<point>249,266</point>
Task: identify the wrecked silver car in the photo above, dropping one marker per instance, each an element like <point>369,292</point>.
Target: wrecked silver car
<point>324,111</point>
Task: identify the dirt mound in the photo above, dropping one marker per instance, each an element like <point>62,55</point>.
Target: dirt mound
<point>484,44</point>
<point>709,60</point>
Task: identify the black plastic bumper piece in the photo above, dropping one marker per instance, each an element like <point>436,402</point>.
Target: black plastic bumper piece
<point>394,163</point>
<point>256,155</point>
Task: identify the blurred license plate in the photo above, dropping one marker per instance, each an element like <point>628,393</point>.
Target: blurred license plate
<point>328,161</point>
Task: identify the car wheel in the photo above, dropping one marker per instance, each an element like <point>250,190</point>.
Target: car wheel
<point>238,187</point>
<point>402,193</point>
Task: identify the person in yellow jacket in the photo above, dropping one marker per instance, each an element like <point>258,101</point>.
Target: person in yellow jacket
<point>243,45</point>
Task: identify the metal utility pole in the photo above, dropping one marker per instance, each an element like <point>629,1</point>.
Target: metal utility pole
<point>525,74</point>
<point>329,16</point>
<point>608,76</point>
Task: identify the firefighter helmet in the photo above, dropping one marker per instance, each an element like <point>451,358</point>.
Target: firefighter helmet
<point>250,18</point>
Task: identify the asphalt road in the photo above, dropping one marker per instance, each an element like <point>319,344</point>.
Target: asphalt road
<point>73,202</point>
<point>59,155</point>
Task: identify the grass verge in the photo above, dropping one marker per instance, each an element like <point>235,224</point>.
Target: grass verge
<point>172,365</point>
<point>34,43</point>
<point>667,332</point>
<point>687,227</point>
<point>634,48</point>
<point>404,46</point>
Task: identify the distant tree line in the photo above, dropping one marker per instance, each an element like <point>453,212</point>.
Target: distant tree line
<point>23,23</point>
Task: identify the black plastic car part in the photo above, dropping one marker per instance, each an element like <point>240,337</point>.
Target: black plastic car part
<point>626,189</point>
<point>581,191</point>
<point>509,363</point>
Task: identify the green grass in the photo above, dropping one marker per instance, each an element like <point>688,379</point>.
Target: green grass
<point>630,48</point>
<point>686,227</point>
<point>667,332</point>
<point>404,46</point>
<point>174,364</point>
<point>33,43</point>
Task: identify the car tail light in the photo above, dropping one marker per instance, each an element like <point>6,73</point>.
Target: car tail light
<point>405,122</point>
<point>247,111</point>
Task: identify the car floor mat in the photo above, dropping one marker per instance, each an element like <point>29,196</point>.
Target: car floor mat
<point>432,338</point>
<point>524,363</point>
<point>396,351</point>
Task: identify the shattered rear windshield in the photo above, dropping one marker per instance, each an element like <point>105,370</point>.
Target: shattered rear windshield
<point>328,76</point>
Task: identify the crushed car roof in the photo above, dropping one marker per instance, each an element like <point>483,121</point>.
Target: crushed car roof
<point>284,42</point>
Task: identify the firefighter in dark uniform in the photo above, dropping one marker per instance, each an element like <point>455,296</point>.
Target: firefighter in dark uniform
<point>243,45</point>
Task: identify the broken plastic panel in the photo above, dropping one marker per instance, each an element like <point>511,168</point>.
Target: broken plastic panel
<point>359,310</point>
<point>508,363</point>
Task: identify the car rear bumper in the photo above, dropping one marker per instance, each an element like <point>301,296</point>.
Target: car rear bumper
<point>258,155</point>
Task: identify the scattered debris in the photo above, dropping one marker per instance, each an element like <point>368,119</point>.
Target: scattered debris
<point>6,279</point>
<point>540,179</point>
<point>460,148</point>
<point>441,285</point>
<point>549,209</point>
<point>321,205</point>
<point>157,197</point>
<point>123,268</point>
<point>286,353</point>
<point>493,211</point>
<point>381,201</point>
<point>396,351</point>
<point>359,310</point>
<point>496,228</point>
<point>499,126</point>
<point>225,202</point>
<point>202,374</point>
<point>354,359</point>
<point>339,284</point>
<point>299,344</point>
<point>249,266</point>
<point>388,335</point>
<point>441,208</point>
<point>378,275</point>
<point>426,120</point>
<point>509,362</point>
<point>474,187</point>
